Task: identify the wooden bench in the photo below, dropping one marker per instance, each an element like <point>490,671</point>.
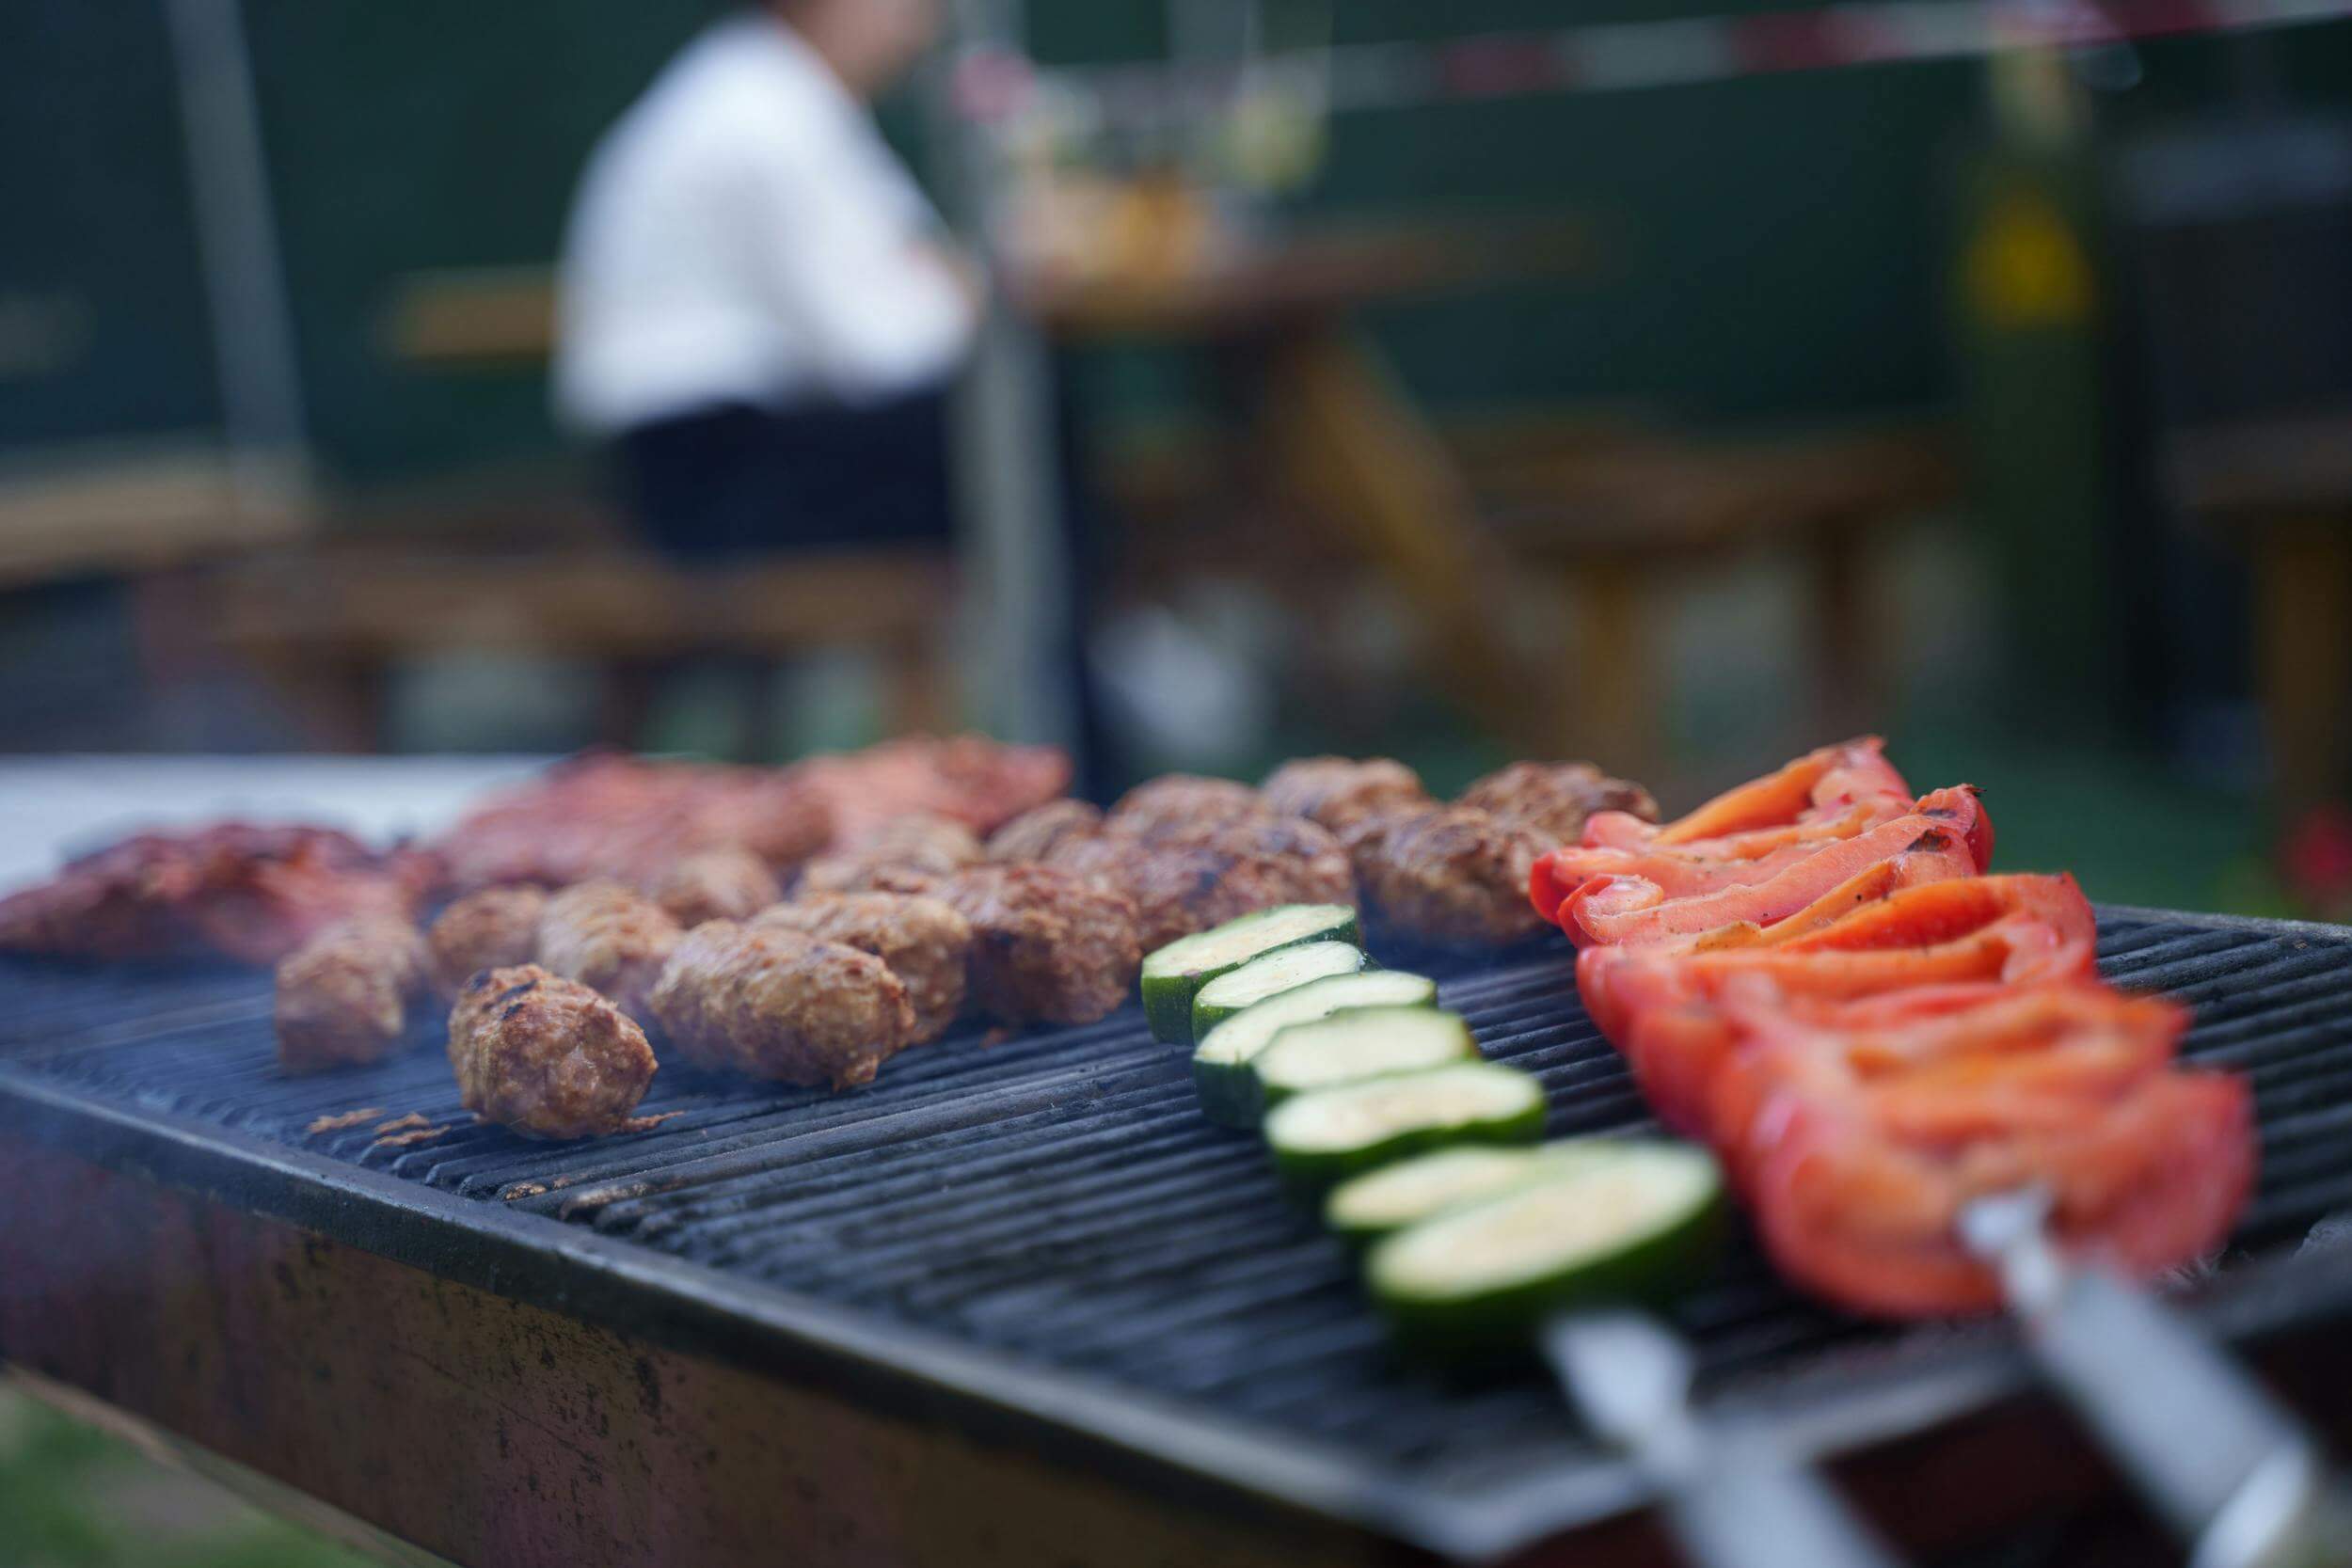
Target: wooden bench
<point>329,625</point>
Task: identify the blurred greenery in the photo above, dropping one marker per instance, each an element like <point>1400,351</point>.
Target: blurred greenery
<point>73,1497</point>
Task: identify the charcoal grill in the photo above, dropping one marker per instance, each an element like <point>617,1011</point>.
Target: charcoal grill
<point>1018,1288</point>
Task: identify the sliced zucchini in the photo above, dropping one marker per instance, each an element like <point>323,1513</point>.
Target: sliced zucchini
<point>1221,1063</point>
<point>1362,1042</point>
<point>1173,975</point>
<point>1626,1222</point>
<point>1284,969</point>
<point>1330,1134</point>
<point>1394,1196</point>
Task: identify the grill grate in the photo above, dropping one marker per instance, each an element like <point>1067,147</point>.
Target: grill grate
<point>1056,1198</point>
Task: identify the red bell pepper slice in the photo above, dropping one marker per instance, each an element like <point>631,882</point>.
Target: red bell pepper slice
<point>1937,839</point>
<point>1941,943</point>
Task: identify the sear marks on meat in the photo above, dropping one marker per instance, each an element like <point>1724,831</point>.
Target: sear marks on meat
<point>1448,876</point>
<point>716,884</point>
<point>252,894</point>
<point>545,1055</point>
<point>495,929</point>
<point>1048,944</point>
<point>1037,833</point>
<point>780,1003</point>
<point>926,944</point>
<point>970,778</point>
<point>609,937</point>
<point>905,854</point>
<point>1201,875</point>
<point>603,816</point>
<point>1182,804</point>
<point>344,998</point>
<point>1340,792</point>
<point>1554,798</point>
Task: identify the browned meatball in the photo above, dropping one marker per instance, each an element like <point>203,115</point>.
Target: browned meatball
<point>490,929</point>
<point>1554,798</point>
<point>609,937</point>
<point>1038,833</point>
<point>1204,875</point>
<point>1340,792</point>
<point>779,1004</point>
<point>545,1055</point>
<point>926,944</point>
<point>343,996</point>
<point>903,854</point>
<point>1047,944</point>
<point>716,884</point>
<point>1180,803</point>
<point>1451,876</point>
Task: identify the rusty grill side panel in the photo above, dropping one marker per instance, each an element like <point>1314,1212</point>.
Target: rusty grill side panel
<point>1055,1202</point>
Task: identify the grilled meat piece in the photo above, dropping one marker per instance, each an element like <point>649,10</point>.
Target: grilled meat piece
<point>1198,875</point>
<point>716,884</point>
<point>545,1055</point>
<point>495,929</point>
<point>1048,944</point>
<point>1181,804</point>
<point>1448,876</point>
<point>344,998</point>
<point>1554,798</point>
<point>609,937</point>
<point>967,777</point>
<point>780,1003</point>
<point>903,855</point>
<point>1340,792</point>
<point>926,944</point>
<point>1037,833</point>
<point>250,894</point>
<point>602,816</point>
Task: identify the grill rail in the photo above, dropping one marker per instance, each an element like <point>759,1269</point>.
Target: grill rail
<point>1044,1236</point>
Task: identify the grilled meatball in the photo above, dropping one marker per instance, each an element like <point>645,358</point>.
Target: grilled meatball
<point>1180,803</point>
<point>1047,944</point>
<point>1037,833</point>
<point>609,937</point>
<point>1340,792</point>
<point>716,884</point>
<point>926,944</point>
<point>343,996</point>
<point>780,1003</point>
<point>545,1055</point>
<point>1204,875</point>
<point>904,854</point>
<point>490,929</point>
<point>1449,876</point>
<point>1554,798</point>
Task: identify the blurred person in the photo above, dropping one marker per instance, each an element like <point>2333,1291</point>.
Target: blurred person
<point>760,312</point>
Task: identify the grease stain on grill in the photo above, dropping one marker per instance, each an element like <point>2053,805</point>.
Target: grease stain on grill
<point>1055,1197</point>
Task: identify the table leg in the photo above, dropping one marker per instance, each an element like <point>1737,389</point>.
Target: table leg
<point>1343,428</point>
<point>2303,571</point>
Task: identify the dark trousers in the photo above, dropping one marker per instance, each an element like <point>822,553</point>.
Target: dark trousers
<point>738,480</point>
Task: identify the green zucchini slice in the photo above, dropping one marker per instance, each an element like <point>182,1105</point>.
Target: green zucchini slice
<point>1284,969</point>
<point>1411,1191</point>
<point>1362,1042</point>
<point>1173,975</point>
<point>1626,1223</point>
<point>1221,1063</point>
<point>1330,1134</point>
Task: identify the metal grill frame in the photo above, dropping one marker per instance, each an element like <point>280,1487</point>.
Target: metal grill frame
<point>2272,1304</point>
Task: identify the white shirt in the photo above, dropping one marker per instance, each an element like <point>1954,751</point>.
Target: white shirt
<point>744,234</point>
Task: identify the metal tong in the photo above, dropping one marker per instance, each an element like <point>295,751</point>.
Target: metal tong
<point>1732,1498</point>
<point>2234,1474</point>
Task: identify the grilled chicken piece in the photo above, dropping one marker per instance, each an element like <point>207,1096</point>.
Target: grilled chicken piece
<point>1448,876</point>
<point>926,944</point>
<point>609,937</point>
<point>1048,944</point>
